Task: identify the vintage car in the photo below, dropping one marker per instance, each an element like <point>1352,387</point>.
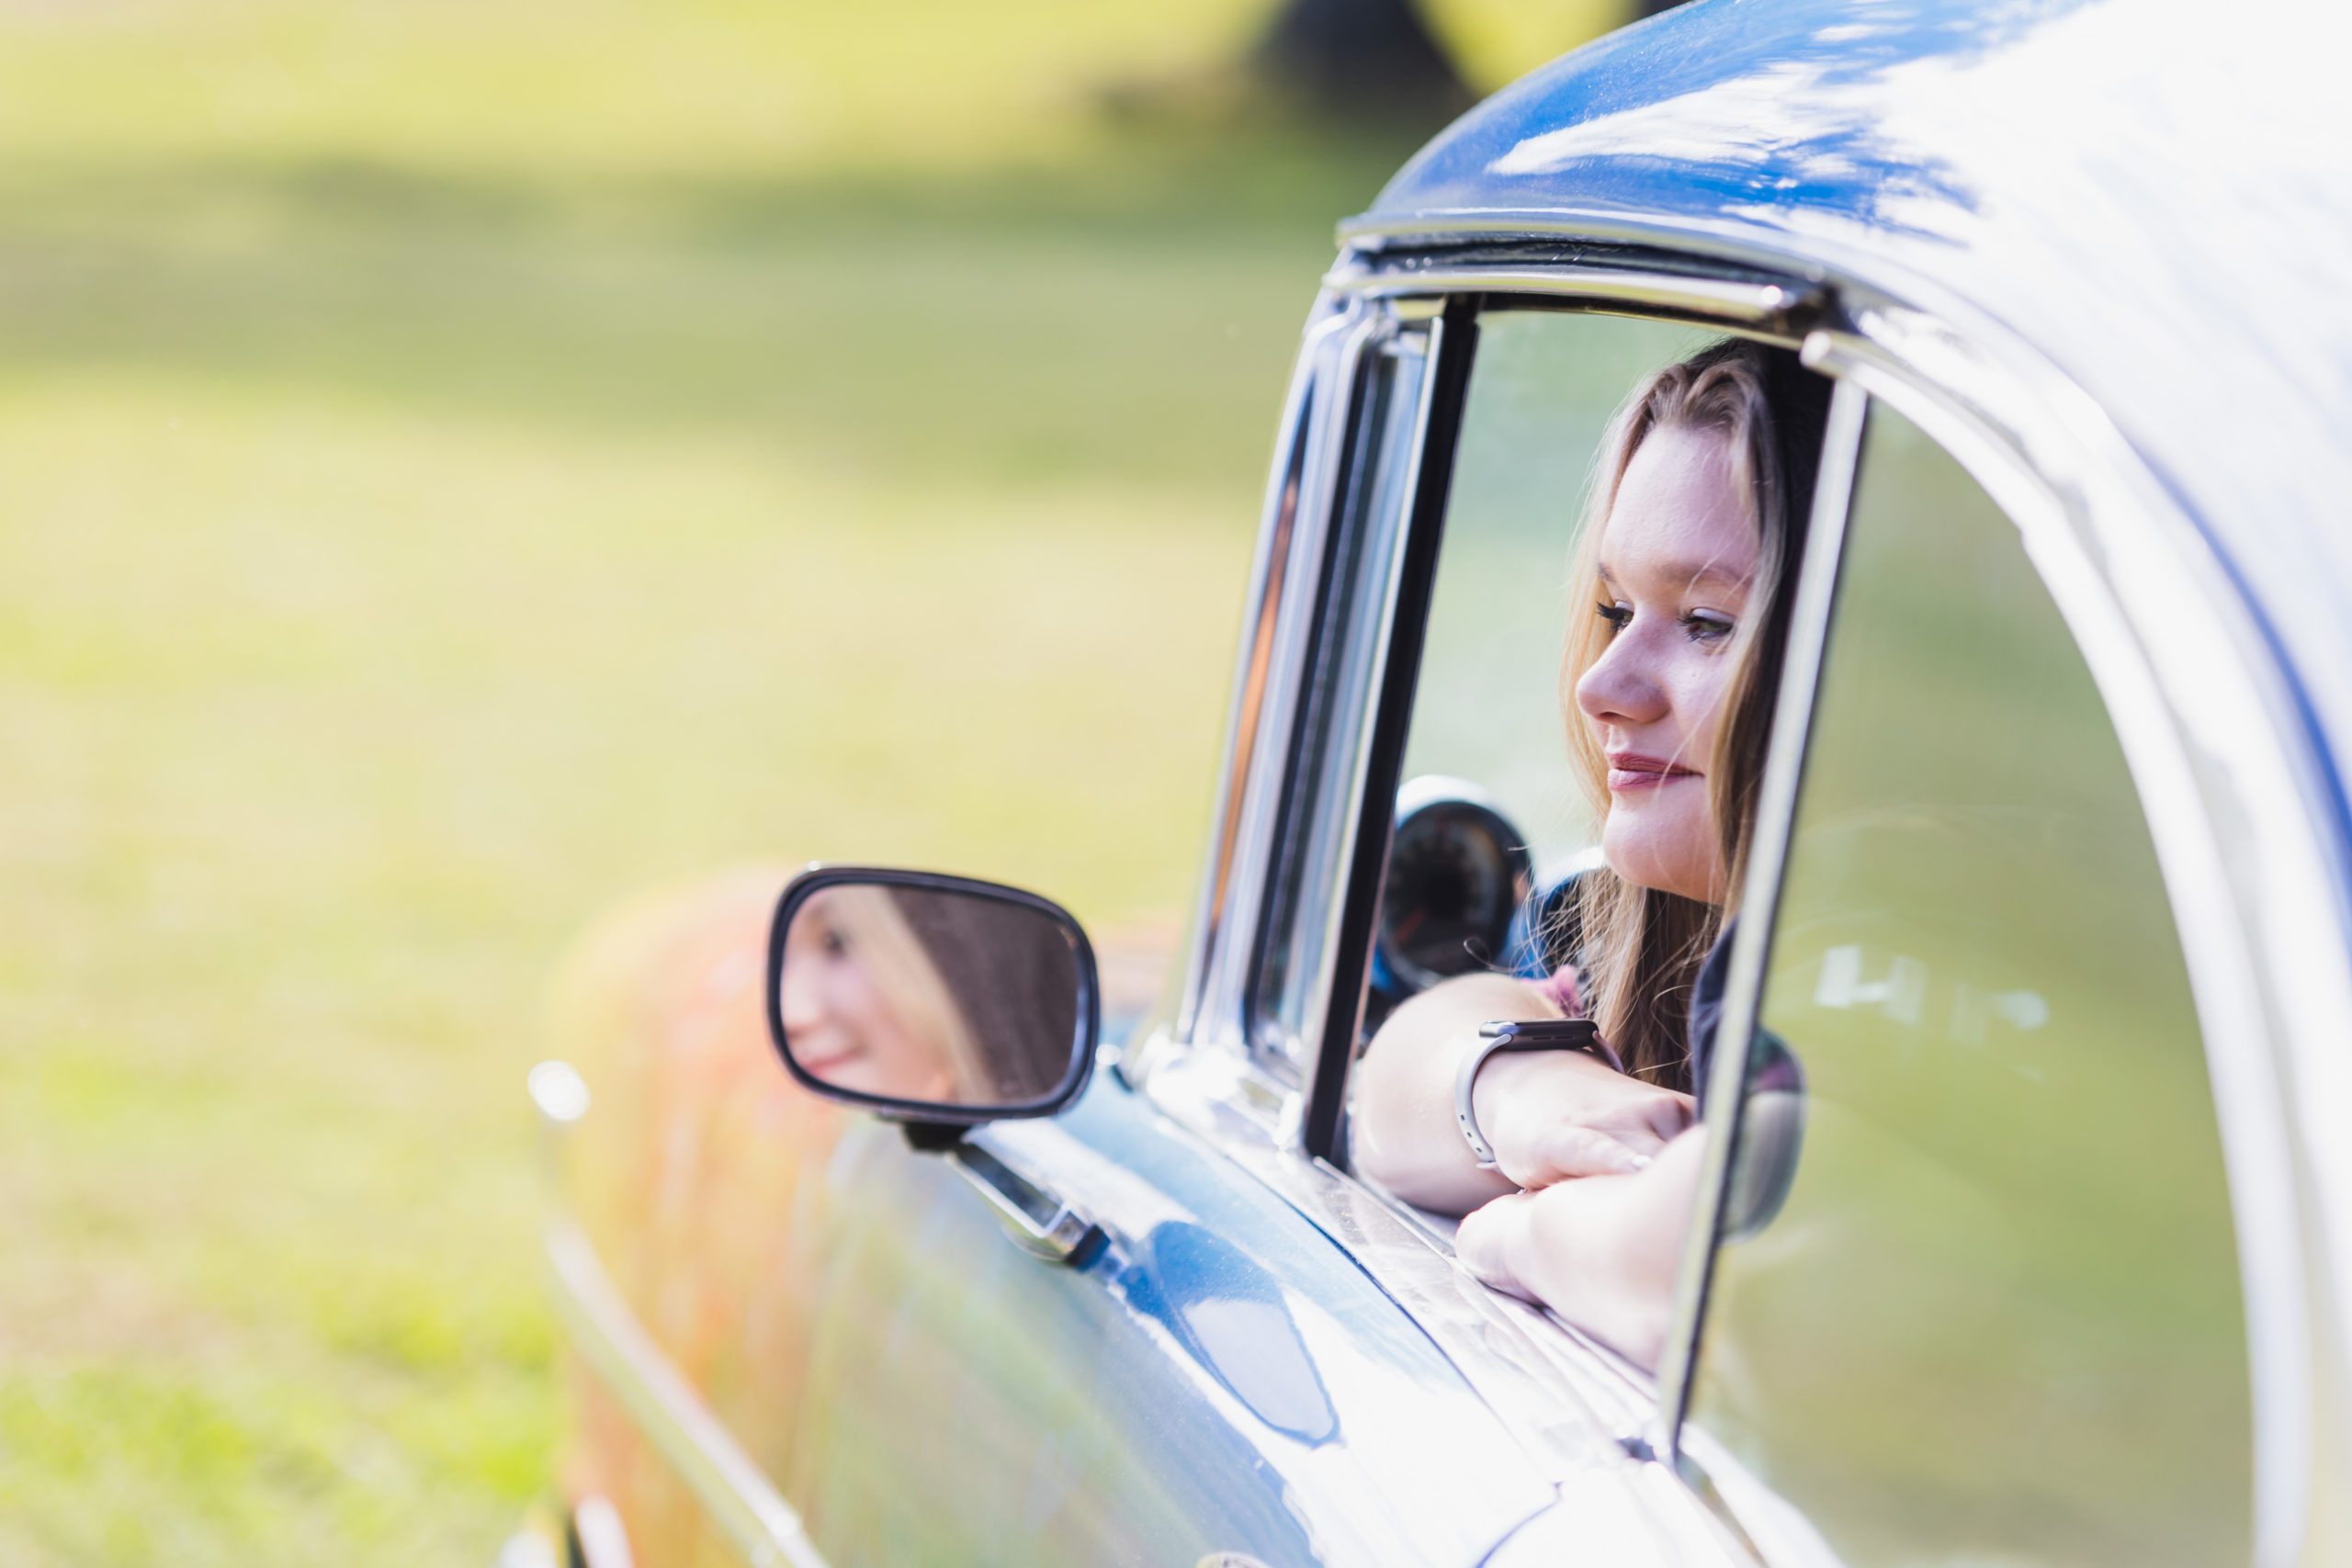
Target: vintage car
<point>2051,895</point>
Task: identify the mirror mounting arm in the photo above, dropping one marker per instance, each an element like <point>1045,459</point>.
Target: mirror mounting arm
<point>932,1137</point>
<point>1037,1219</point>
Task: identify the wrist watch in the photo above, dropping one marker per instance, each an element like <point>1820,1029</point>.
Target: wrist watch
<point>1541,1034</point>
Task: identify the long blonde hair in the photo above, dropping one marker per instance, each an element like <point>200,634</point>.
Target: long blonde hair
<point>877,933</point>
<point>1640,948</point>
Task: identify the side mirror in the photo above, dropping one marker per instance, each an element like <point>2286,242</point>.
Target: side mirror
<point>930,998</point>
<point>1458,871</point>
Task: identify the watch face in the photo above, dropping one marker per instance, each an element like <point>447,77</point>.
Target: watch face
<point>1543,1034</point>
<point>1456,875</point>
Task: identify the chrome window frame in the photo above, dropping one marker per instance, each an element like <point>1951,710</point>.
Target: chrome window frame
<point>1290,540</point>
<point>1206,1038</point>
<point>1773,310</point>
<point>1297,808</point>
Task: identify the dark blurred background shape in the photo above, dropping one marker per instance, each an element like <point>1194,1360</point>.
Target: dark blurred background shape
<point>1372,60</point>
<point>463,466</point>
<point>1363,59</point>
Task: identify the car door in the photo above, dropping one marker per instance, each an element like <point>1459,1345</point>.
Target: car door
<point>1213,1377</point>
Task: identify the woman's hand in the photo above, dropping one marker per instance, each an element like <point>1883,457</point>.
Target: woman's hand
<point>1554,1116</point>
<point>1602,1252</point>
<point>1575,1117</point>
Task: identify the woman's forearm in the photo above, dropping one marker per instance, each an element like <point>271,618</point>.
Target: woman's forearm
<point>1403,1133</point>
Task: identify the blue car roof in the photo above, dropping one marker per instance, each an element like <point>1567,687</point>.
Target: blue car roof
<point>2155,195</point>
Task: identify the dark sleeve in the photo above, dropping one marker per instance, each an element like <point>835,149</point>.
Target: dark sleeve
<point>1707,1011</point>
<point>1775,1066</point>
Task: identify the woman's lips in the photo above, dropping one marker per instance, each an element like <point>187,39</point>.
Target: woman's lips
<point>826,1061</point>
<point>1631,770</point>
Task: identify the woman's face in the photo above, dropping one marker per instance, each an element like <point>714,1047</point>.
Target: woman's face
<point>839,1018</point>
<point>1678,557</point>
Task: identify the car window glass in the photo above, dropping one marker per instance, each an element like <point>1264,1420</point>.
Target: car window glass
<point>1997,1318</point>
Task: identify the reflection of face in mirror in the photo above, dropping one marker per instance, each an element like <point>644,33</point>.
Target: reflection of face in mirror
<point>929,995</point>
<point>864,1006</point>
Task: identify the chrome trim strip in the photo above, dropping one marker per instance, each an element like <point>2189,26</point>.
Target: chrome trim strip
<point>1776,809</point>
<point>1735,244</point>
<point>1319,1009</point>
<point>1366,231</point>
<point>666,1408</point>
<point>1221,1017</point>
<point>601,1536</point>
<point>1268,575</point>
<point>1739,301</point>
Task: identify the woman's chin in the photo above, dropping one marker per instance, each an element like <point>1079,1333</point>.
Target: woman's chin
<point>1657,854</point>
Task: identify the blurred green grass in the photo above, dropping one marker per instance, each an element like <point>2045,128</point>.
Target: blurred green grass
<point>462,466</point>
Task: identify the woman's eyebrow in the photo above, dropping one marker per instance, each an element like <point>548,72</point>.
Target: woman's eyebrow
<point>1691,573</point>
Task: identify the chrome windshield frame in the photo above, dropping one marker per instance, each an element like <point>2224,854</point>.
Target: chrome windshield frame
<point>1296,511</point>
<point>1329,1026</point>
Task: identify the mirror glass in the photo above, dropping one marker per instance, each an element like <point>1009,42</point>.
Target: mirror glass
<point>930,994</point>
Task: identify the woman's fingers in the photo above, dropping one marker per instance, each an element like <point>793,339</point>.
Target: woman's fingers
<point>1490,1235</point>
<point>1558,1116</point>
<point>1672,1114</point>
<point>1647,1118</point>
<point>1569,1152</point>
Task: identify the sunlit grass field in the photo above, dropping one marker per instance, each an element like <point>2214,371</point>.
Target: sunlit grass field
<point>463,466</point>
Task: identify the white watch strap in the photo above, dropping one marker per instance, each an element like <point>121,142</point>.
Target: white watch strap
<point>1496,1038</point>
<point>1465,1080</point>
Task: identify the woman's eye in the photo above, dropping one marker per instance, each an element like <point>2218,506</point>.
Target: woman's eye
<point>1701,625</point>
<point>1618,616</point>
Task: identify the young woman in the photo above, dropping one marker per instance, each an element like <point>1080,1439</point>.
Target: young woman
<point>1681,586</point>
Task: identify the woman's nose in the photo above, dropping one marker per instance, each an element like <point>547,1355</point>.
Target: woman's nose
<point>799,1004</point>
<point>1622,687</point>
